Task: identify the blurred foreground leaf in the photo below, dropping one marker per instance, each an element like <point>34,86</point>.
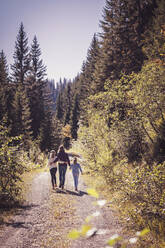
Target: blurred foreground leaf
<point>93,193</point>
<point>85,229</point>
<point>112,241</point>
<point>143,232</point>
<point>74,234</point>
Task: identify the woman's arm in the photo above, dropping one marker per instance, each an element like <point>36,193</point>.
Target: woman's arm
<point>68,160</point>
<point>56,159</point>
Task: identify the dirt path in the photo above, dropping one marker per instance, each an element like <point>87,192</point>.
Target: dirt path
<point>48,216</point>
<point>105,224</point>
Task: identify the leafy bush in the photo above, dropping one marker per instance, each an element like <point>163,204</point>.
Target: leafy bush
<point>124,141</point>
<point>145,188</point>
<point>11,168</point>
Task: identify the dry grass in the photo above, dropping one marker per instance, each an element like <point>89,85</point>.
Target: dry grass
<point>8,211</point>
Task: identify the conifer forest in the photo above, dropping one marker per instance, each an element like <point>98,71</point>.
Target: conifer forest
<point>113,111</point>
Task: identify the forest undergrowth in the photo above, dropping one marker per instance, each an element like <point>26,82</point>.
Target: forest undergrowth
<point>132,212</point>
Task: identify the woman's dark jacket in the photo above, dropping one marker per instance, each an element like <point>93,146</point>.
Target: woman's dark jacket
<point>62,158</point>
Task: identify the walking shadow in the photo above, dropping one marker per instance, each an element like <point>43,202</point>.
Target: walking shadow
<point>76,193</point>
<point>18,224</point>
<point>62,191</point>
<point>81,193</point>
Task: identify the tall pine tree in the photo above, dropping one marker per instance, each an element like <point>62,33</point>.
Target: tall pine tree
<point>21,65</point>
<point>21,120</point>
<point>21,117</point>
<point>35,86</point>
<point>3,85</point>
<point>121,52</point>
<point>67,104</point>
<point>46,137</point>
<point>75,117</point>
<point>38,69</point>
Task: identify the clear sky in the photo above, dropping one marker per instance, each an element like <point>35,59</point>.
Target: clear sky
<point>64,29</point>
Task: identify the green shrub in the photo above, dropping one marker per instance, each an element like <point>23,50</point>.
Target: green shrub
<point>11,168</point>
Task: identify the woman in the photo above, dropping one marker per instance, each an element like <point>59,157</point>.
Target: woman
<point>76,168</point>
<point>53,168</point>
<point>63,160</point>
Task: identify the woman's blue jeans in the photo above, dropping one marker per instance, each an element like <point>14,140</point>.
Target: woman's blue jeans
<point>62,172</point>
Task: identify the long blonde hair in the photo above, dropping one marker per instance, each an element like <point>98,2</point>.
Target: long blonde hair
<point>52,154</point>
<point>75,160</point>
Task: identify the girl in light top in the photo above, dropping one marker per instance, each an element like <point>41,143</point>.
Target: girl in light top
<point>53,168</point>
<point>76,168</point>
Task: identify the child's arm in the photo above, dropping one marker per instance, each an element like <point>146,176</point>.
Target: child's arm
<point>80,168</point>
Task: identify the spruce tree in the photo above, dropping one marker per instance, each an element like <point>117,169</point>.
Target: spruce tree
<point>85,79</point>
<point>21,120</point>
<point>88,68</point>
<point>104,66</point>
<point>3,85</point>
<point>154,36</point>
<point>57,133</point>
<point>67,104</point>
<point>59,109</point>
<point>75,117</point>
<point>38,70</point>
<point>121,51</point>
<point>21,65</point>
<point>3,70</point>
<point>46,136</point>
<point>21,117</point>
<point>53,93</point>
<point>35,86</point>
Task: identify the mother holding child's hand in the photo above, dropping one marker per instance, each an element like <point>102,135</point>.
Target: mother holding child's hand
<point>63,159</point>
<point>53,168</point>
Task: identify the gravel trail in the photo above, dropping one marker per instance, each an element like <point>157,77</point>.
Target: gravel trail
<point>34,225</point>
